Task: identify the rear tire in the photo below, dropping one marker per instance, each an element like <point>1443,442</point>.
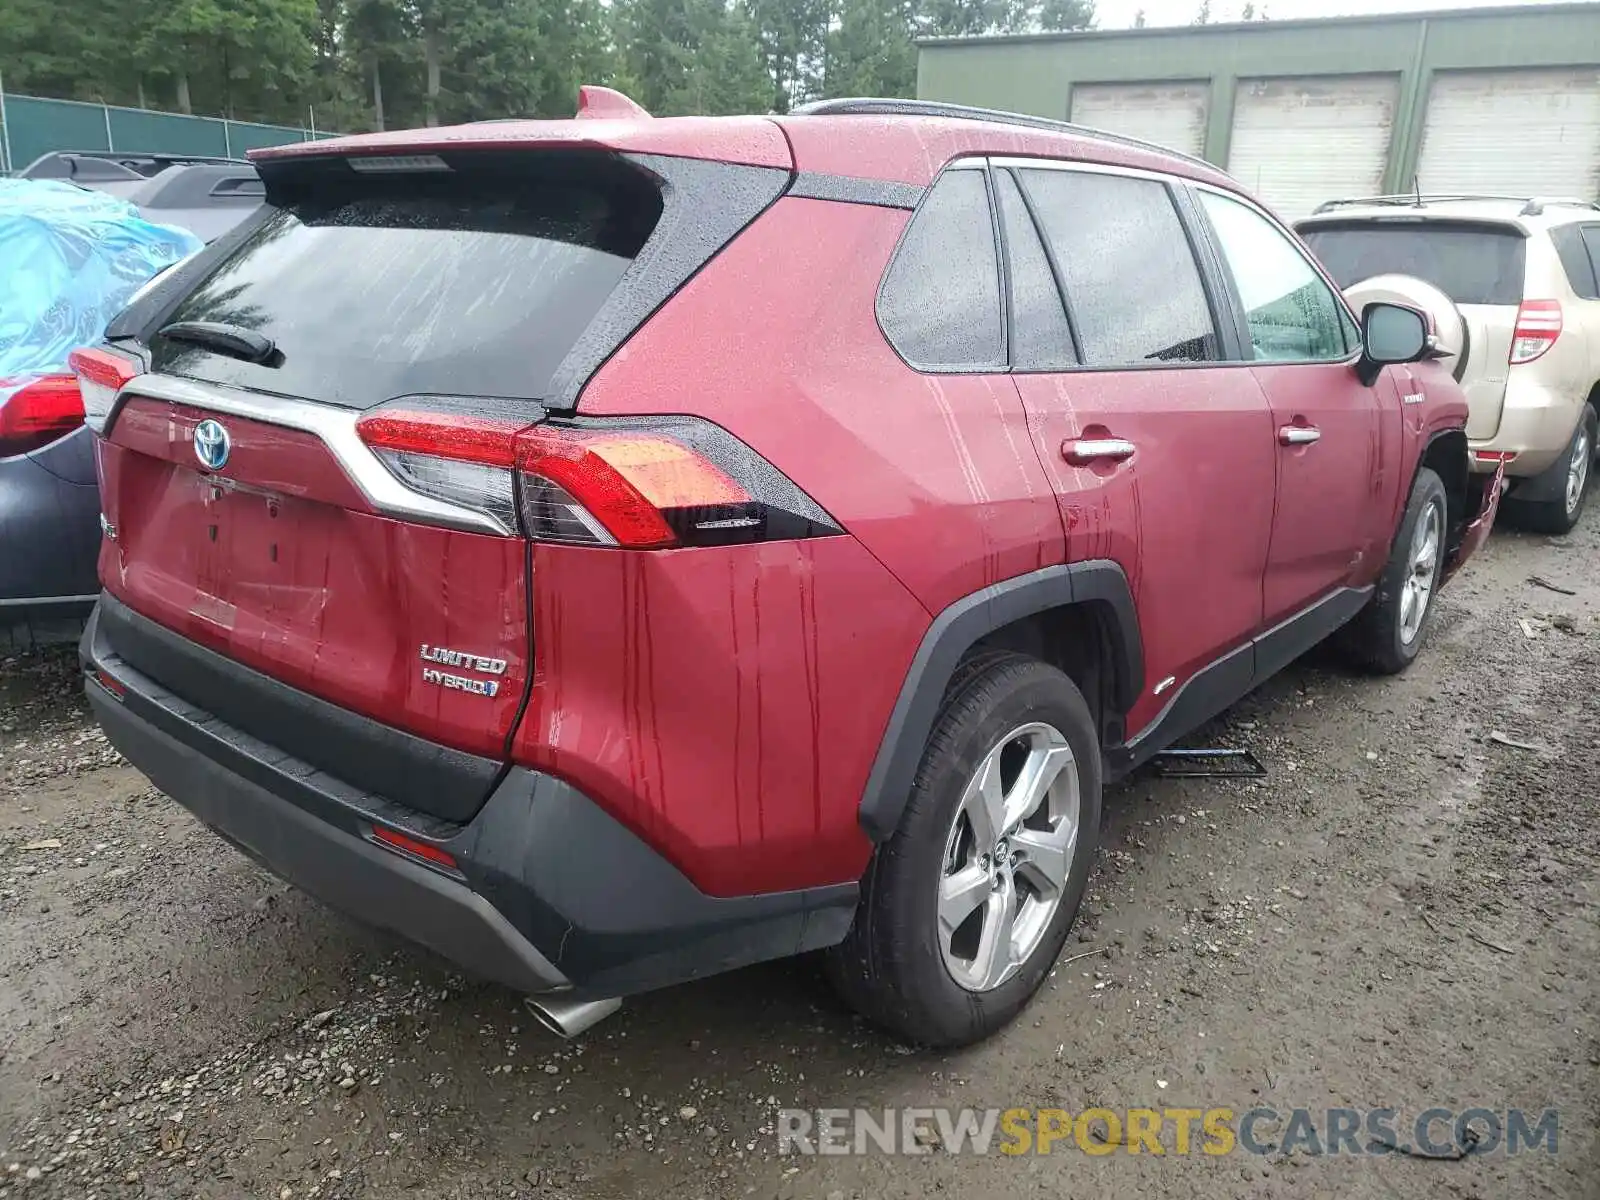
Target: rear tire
<point>1573,472</point>
<point>965,908</point>
<point>1386,636</point>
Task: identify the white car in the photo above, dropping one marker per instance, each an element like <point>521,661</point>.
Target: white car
<point>1523,276</point>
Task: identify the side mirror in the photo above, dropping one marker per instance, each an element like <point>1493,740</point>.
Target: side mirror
<point>1390,333</point>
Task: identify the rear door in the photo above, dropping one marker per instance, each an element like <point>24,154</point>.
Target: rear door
<point>1161,454</point>
<point>1334,435</point>
<point>314,480</point>
<point>1480,265</point>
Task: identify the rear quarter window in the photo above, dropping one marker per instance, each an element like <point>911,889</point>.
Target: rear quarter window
<point>1576,260</point>
<point>1470,263</point>
<point>940,301</point>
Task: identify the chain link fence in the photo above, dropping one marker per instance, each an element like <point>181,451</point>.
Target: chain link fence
<point>31,126</point>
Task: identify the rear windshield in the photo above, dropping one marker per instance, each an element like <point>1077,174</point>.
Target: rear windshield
<point>1472,264</point>
<point>472,281</point>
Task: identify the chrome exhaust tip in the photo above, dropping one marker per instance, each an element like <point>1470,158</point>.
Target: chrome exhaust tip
<point>568,1018</point>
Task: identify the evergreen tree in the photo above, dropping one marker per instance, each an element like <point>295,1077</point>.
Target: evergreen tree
<point>870,50</point>
<point>1058,15</point>
<point>363,64</point>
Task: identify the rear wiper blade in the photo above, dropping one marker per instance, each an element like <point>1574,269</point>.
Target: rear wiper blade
<point>232,340</point>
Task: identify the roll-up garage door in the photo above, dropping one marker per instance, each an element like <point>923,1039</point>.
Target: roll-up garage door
<point>1298,142</point>
<point>1169,114</point>
<point>1512,133</point>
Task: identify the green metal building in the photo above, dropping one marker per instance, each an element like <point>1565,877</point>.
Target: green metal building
<point>1487,100</point>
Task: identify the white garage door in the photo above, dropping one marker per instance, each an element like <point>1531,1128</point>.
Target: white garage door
<point>1298,142</point>
<point>1513,133</point>
<point>1168,114</point>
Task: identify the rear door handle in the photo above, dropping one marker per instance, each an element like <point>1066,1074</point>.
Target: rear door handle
<point>1082,451</point>
<point>1299,435</point>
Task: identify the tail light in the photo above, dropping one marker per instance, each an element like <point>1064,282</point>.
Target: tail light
<point>38,413</point>
<point>1538,326</point>
<point>459,458</point>
<point>101,374</point>
<point>1492,457</point>
<point>640,484</point>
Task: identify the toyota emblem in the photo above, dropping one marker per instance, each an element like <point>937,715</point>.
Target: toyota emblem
<point>211,445</point>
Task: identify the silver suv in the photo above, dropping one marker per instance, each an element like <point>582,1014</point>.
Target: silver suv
<point>1519,310</point>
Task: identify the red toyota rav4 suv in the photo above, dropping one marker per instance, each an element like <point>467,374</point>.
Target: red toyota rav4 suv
<point>616,550</point>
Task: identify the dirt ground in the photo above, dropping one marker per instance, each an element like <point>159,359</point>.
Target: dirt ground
<point>1405,913</point>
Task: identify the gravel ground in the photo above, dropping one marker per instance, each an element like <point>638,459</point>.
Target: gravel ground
<point>1402,914</point>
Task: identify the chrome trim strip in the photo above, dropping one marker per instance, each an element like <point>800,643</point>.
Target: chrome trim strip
<point>1084,167</point>
<point>336,427</point>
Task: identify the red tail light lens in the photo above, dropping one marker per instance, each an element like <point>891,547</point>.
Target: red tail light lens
<point>1538,327</point>
<point>460,437</point>
<point>1490,457</point>
<point>101,374</point>
<point>38,413</point>
<point>639,484</point>
<point>460,458</point>
<point>625,481</point>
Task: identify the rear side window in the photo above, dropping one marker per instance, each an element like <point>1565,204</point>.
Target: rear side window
<point>1579,249</point>
<point>1041,339</point>
<point>1472,264</point>
<point>940,301</point>
<point>1132,285</point>
<point>475,281</point>
<point>1591,240</point>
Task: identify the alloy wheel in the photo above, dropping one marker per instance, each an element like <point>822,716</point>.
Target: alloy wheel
<point>1008,855</point>
<point>1422,569</point>
<point>1578,469</point>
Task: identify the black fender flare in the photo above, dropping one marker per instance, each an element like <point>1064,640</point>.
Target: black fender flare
<point>956,630</point>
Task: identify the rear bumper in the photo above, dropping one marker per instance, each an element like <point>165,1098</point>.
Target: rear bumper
<point>1536,425</point>
<point>550,894</point>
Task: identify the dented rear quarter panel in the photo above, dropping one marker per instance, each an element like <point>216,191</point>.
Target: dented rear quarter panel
<point>723,703</point>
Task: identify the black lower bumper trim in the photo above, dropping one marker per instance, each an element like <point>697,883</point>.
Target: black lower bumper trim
<point>616,915</point>
<point>409,770</point>
<point>552,891</point>
<point>332,864</point>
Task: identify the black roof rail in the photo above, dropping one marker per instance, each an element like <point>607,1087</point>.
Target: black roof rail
<point>873,106</point>
<point>64,164</point>
<point>1532,206</point>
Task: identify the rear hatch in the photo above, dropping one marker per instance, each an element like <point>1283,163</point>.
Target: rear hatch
<point>311,480</point>
<point>1480,265</point>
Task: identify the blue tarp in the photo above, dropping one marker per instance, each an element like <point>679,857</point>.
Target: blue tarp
<point>69,261</point>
